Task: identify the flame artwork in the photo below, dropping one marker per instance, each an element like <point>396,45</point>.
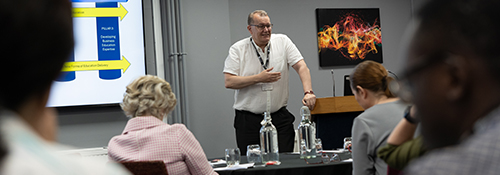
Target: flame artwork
<point>348,36</point>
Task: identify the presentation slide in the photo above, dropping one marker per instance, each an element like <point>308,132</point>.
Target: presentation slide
<point>108,54</point>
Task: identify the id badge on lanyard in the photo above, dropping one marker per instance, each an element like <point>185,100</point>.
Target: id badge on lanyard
<point>264,86</point>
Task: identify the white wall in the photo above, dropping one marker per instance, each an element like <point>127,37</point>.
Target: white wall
<point>206,40</point>
<point>91,126</point>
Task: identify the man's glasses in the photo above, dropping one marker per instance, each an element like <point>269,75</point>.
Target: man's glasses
<point>262,27</point>
<point>403,87</point>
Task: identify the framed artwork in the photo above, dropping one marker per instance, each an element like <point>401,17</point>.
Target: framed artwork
<point>348,36</point>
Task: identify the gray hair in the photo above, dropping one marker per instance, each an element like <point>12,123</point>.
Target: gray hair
<point>260,12</point>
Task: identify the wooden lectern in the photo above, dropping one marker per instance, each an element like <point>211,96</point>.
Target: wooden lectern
<point>334,117</point>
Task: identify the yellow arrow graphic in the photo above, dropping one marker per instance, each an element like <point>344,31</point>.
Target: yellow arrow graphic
<point>100,12</point>
<point>96,65</point>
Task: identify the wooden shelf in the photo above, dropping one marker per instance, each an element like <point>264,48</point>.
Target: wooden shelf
<point>329,105</point>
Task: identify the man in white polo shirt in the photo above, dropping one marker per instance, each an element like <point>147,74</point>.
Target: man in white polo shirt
<point>259,64</point>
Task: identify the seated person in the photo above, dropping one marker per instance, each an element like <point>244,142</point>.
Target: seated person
<point>369,83</point>
<point>148,100</point>
<point>37,39</point>
<point>401,147</point>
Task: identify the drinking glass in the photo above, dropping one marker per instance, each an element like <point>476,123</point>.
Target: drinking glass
<point>325,158</point>
<point>233,156</point>
<point>319,147</point>
<point>335,158</point>
<point>254,154</point>
<point>347,143</point>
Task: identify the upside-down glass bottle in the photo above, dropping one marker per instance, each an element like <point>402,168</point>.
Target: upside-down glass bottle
<point>307,132</point>
<point>268,140</point>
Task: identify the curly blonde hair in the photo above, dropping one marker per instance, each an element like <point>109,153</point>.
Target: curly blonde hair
<point>148,95</point>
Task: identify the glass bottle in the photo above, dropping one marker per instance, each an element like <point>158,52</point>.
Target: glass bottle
<point>307,132</point>
<point>268,140</point>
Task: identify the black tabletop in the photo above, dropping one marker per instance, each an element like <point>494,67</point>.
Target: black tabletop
<point>293,165</point>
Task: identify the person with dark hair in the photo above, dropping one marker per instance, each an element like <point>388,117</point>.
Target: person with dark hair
<point>36,40</point>
<point>369,83</point>
<point>452,73</point>
<point>257,66</point>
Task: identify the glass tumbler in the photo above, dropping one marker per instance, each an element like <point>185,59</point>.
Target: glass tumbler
<point>253,154</point>
<point>325,158</point>
<point>347,143</point>
<point>233,156</point>
<point>319,147</point>
<point>335,158</point>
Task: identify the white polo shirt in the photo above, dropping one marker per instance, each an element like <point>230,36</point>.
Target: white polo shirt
<point>242,60</point>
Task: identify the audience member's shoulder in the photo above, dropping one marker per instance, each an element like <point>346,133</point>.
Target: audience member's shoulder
<point>435,162</point>
<point>179,127</point>
<point>394,106</point>
<point>367,114</point>
<point>475,155</point>
<point>45,159</point>
<point>401,103</point>
<point>397,103</point>
<point>466,158</point>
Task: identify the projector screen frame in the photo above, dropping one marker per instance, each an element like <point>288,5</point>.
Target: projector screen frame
<point>149,60</point>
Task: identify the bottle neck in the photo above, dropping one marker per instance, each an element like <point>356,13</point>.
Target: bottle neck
<point>267,119</point>
<point>306,118</point>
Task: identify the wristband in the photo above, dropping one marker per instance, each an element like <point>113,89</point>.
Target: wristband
<point>408,117</point>
<point>308,92</point>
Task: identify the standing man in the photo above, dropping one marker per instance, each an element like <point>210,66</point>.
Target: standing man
<point>259,64</point>
<point>453,76</point>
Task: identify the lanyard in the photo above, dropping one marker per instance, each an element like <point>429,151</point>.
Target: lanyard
<point>260,58</point>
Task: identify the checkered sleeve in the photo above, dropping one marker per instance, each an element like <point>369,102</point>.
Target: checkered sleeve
<point>194,156</point>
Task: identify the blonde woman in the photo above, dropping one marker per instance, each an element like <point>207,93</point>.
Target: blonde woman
<point>147,101</point>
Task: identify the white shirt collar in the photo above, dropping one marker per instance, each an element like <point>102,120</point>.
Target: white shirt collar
<point>256,46</point>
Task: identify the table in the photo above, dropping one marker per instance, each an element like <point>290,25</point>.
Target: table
<point>291,164</point>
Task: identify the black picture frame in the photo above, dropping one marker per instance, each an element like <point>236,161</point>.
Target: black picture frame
<point>348,36</point>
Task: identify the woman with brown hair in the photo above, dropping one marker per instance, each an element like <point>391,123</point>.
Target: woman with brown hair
<point>369,83</point>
